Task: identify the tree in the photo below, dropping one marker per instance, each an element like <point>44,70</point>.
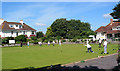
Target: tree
<point>39,34</point>
<point>22,38</point>
<point>116,11</point>
<point>49,32</point>
<point>69,28</point>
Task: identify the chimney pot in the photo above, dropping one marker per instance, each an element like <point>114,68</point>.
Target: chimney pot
<point>21,21</point>
<point>111,20</point>
<point>1,21</point>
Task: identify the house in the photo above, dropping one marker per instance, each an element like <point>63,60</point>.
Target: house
<point>14,29</point>
<point>110,31</point>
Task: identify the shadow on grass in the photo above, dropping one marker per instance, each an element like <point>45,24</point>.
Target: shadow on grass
<point>63,68</point>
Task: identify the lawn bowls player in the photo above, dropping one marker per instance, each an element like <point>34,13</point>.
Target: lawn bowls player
<point>100,41</point>
<point>53,43</point>
<point>89,48</point>
<point>105,46</point>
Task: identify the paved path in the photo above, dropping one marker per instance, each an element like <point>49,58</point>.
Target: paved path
<point>107,62</point>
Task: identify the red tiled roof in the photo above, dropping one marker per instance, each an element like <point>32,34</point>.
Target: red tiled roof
<point>26,27</point>
<point>101,29</point>
<point>108,28</point>
<point>5,26</point>
<point>113,31</point>
<point>14,23</point>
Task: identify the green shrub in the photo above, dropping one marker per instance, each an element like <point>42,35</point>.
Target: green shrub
<point>46,41</point>
<point>63,40</point>
<point>29,40</point>
<point>6,40</point>
<point>70,40</point>
<point>17,42</point>
<point>34,38</point>
<point>20,38</point>
<point>43,39</point>
<point>74,40</point>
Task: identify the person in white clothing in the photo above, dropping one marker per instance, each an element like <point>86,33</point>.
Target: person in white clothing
<point>100,41</point>
<point>89,48</point>
<point>48,43</point>
<point>60,42</point>
<point>53,42</point>
<point>40,43</point>
<point>28,44</point>
<point>105,46</point>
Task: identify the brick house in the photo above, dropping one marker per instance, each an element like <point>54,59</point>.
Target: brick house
<point>110,31</point>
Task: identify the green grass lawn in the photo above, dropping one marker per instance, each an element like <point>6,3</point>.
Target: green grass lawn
<point>40,56</point>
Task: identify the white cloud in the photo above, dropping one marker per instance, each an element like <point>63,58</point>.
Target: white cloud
<point>107,16</point>
<point>40,24</point>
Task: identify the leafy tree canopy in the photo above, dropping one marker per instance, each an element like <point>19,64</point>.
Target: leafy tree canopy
<point>116,11</point>
<point>39,34</point>
<point>69,29</point>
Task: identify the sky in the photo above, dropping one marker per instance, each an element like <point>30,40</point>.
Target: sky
<point>41,15</point>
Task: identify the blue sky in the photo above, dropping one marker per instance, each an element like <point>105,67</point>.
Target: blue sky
<point>41,15</point>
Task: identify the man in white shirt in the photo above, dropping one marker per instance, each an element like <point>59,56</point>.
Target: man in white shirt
<point>53,42</point>
<point>40,43</point>
<point>60,42</point>
<point>48,43</point>
<point>105,46</point>
<point>89,48</point>
<point>100,41</point>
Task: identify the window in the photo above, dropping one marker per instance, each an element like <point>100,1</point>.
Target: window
<point>118,28</point>
<point>16,25</point>
<point>32,32</point>
<point>11,32</point>
<point>102,34</point>
<point>11,26</point>
<point>23,32</point>
<point>20,26</point>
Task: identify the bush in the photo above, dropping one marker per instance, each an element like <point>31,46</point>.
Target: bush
<point>63,40</point>
<point>20,38</point>
<point>46,41</point>
<point>70,40</point>
<point>0,41</point>
<point>34,38</point>
<point>74,40</point>
<point>6,40</point>
<point>43,39</point>
<point>17,42</point>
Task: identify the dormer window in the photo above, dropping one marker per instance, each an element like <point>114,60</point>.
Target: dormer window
<point>11,26</point>
<point>32,32</point>
<point>20,26</point>
<point>16,25</point>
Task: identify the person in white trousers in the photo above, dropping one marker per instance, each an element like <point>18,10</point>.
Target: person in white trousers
<point>53,42</point>
<point>100,41</point>
<point>89,48</point>
<point>105,46</point>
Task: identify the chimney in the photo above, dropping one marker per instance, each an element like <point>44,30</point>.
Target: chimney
<point>1,21</point>
<point>21,21</point>
<point>111,20</point>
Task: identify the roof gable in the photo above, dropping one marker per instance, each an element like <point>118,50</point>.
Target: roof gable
<point>108,28</point>
<point>5,26</point>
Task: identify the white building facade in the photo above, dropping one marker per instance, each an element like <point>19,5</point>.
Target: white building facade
<point>14,29</point>
<point>110,31</point>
